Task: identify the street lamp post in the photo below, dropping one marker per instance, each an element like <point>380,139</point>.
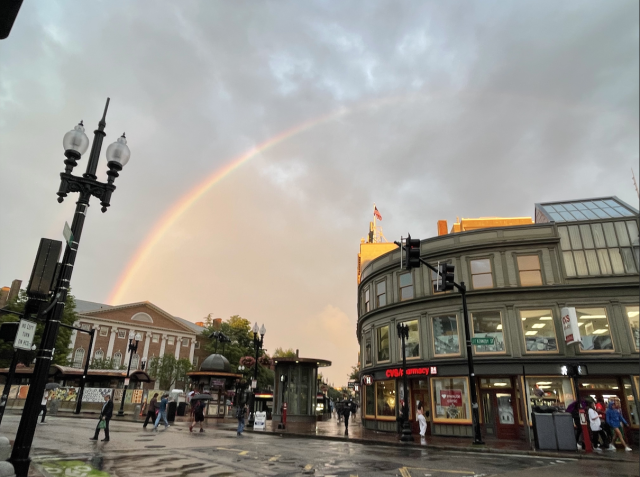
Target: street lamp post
<point>134,340</point>
<point>257,344</point>
<point>75,143</point>
<point>403,332</point>
<point>241,369</point>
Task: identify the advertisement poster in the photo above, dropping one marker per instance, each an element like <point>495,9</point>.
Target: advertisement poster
<point>570,325</point>
<point>97,394</point>
<point>451,397</point>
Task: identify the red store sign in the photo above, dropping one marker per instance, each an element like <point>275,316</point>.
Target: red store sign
<point>451,397</point>
<point>425,371</point>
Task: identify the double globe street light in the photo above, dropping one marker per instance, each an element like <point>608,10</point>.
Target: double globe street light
<point>75,144</point>
<point>134,340</point>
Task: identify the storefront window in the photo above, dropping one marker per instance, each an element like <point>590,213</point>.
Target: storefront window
<point>386,398</point>
<point>539,331</point>
<point>451,399</point>
<point>634,419</point>
<point>488,324</point>
<point>594,329</point>
<point>370,401</point>
<point>634,322</point>
<point>445,335</point>
<point>549,391</point>
<point>383,343</point>
<point>412,344</point>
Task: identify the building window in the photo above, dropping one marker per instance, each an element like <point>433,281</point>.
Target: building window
<point>370,401</point>
<point>446,339</point>
<point>195,361</point>
<point>386,399</point>
<point>367,352</point>
<point>78,358</point>
<point>631,403</point>
<point>171,340</point>
<point>116,361</point>
<point>539,331</point>
<point>529,270</point>
<point>367,303</point>
<point>185,342</point>
<point>383,343</point>
<point>632,316</point>
<point>488,324</point>
<point>594,329</point>
<point>142,317</point>
<point>406,286</point>
<point>98,355</point>
<point>450,400</point>
<point>86,326</point>
<point>412,344</point>
<point>381,294</point>
<point>104,331</point>
<point>134,361</point>
<point>155,338</point>
<point>598,249</point>
<point>481,274</point>
<point>122,334</point>
<point>197,346</point>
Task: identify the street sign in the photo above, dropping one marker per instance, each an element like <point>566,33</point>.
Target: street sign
<point>482,341</point>
<point>254,384</point>
<point>68,234</point>
<point>24,337</point>
<point>351,385</point>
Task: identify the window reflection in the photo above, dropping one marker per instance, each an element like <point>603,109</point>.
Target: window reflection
<point>445,335</point>
<point>383,343</point>
<point>539,330</point>
<point>594,329</point>
<point>412,344</point>
<point>488,324</point>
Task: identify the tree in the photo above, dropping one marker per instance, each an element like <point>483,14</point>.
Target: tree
<point>353,376</point>
<point>106,363</point>
<point>168,370</point>
<point>284,353</point>
<point>61,353</point>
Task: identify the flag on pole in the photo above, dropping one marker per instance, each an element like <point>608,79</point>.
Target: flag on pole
<point>377,214</point>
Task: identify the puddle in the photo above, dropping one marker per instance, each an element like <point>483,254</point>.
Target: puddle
<point>155,447</point>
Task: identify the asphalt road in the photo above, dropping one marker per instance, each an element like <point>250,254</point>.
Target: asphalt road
<point>62,447</point>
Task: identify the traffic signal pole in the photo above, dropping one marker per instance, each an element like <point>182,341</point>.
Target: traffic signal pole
<point>475,413</point>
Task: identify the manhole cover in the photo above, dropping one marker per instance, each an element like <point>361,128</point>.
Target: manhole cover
<point>154,447</point>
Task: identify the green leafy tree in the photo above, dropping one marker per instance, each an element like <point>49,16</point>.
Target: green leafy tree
<point>106,363</point>
<point>60,355</point>
<point>284,353</point>
<point>353,376</point>
<point>169,371</point>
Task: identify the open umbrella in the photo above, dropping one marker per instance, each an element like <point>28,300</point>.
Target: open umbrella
<point>201,397</point>
<point>50,386</point>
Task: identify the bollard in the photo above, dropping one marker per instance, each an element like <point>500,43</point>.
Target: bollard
<point>5,448</point>
<point>6,469</point>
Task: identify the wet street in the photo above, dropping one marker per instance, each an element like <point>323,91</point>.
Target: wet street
<point>62,447</point>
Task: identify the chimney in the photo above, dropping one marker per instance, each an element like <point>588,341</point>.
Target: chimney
<point>15,289</point>
<point>442,227</point>
<point>4,296</point>
<point>297,354</point>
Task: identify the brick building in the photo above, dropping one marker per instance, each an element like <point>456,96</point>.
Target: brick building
<point>162,333</point>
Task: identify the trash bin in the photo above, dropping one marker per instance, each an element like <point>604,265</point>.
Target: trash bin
<point>54,406</point>
<point>182,409</point>
<point>544,431</point>
<point>171,411</point>
<point>565,436</point>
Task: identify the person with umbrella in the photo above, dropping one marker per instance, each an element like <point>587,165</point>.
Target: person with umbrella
<point>45,399</point>
<point>197,404</point>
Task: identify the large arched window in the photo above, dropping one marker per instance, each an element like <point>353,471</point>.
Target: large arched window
<point>117,360</point>
<point>78,359</point>
<point>98,355</point>
<point>142,317</point>
<point>134,361</point>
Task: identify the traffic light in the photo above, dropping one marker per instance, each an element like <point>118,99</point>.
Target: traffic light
<point>445,278</point>
<point>412,246</point>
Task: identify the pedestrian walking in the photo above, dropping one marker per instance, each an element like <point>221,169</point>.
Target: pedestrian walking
<point>43,406</point>
<point>198,415</point>
<point>615,419</point>
<point>152,410</point>
<point>240,415</point>
<point>597,434</point>
<point>105,417</point>
<point>422,422</point>
<point>162,412</point>
<point>348,407</point>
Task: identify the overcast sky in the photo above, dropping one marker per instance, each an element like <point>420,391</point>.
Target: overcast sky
<point>444,109</point>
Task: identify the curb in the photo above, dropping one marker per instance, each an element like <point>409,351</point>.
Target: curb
<point>472,448</point>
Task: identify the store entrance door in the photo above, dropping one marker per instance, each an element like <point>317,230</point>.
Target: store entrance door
<point>499,414</point>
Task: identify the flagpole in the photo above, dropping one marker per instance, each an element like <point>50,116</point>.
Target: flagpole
<point>375,230</point>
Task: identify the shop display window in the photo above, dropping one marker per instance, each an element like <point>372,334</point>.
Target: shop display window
<point>549,391</point>
<point>634,419</point>
<point>634,323</point>
<point>412,344</point>
<point>488,324</point>
<point>383,343</point>
<point>386,399</point>
<point>450,400</point>
<point>446,340</point>
<point>594,329</point>
<point>539,331</point>
<point>370,401</point>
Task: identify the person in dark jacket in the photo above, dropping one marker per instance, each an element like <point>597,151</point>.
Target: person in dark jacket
<point>105,415</point>
<point>151,410</point>
<point>347,412</point>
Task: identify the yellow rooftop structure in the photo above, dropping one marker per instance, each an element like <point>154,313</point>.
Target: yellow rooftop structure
<point>464,225</point>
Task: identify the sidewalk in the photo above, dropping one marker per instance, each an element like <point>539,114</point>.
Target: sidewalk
<point>331,430</point>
